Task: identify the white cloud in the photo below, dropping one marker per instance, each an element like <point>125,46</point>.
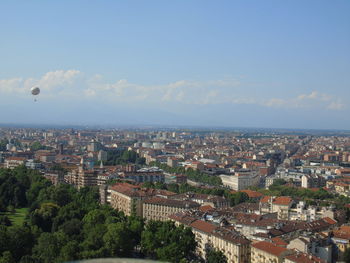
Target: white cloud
<point>314,95</point>
<point>73,84</point>
<point>54,79</point>
<point>11,85</point>
<point>274,102</point>
<point>336,105</point>
<point>51,81</point>
<point>314,99</point>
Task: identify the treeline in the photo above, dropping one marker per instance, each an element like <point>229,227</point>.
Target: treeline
<point>313,197</point>
<point>20,187</point>
<point>3,143</point>
<point>65,224</point>
<point>35,146</point>
<point>123,156</point>
<point>194,175</point>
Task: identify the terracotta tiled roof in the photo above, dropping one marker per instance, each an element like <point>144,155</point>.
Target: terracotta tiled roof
<point>269,248</point>
<point>283,200</point>
<point>329,220</point>
<point>231,236</point>
<point>205,208</point>
<point>279,242</point>
<point>304,258</point>
<point>343,233</point>
<point>203,226</point>
<point>265,199</point>
<point>182,218</point>
<point>14,158</point>
<point>252,194</point>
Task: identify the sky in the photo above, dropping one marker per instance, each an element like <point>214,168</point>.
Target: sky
<point>247,63</point>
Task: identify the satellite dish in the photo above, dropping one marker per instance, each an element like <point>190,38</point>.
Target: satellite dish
<point>35,91</point>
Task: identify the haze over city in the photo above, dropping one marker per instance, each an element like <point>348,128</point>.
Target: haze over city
<point>282,64</point>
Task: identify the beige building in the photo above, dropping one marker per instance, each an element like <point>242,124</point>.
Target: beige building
<point>141,177</point>
<point>129,198</point>
<point>158,208</point>
<point>303,258</point>
<point>81,177</point>
<point>266,252</point>
<point>341,238</point>
<point>280,205</point>
<point>12,162</point>
<point>318,246</point>
<point>203,199</point>
<point>342,188</point>
<point>209,236</point>
<point>240,180</point>
<point>172,161</point>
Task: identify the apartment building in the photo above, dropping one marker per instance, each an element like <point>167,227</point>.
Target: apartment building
<point>86,178</point>
<point>310,213</point>
<point>312,181</point>
<point>313,245</point>
<point>280,205</point>
<point>127,198</point>
<point>141,177</point>
<point>203,199</point>
<point>158,208</point>
<point>266,252</point>
<point>12,162</point>
<point>341,238</point>
<point>240,180</point>
<point>209,236</point>
<point>130,198</point>
<point>303,258</point>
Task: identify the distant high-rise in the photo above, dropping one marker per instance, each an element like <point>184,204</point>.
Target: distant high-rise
<point>60,148</point>
<point>94,146</point>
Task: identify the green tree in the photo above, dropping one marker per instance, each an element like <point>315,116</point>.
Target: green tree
<point>71,228</point>
<point>347,255</point>
<point>7,257</point>
<point>28,259</point>
<point>93,243</point>
<point>215,256</point>
<point>38,146</point>
<point>117,240</point>
<point>4,239</point>
<point>3,144</point>
<point>165,241</point>
<point>44,216</point>
<point>20,241</point>
<point>237,198</point>
<point>136,226</point>
<point>5,221</point>
<point>49,246</point>
<point>279,182</point>
<point>69,252</point>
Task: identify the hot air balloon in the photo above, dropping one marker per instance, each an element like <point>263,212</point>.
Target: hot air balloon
<point>35,91</point>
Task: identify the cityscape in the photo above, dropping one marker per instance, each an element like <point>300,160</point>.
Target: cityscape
<point>187,131</point>
<point>245,196</point>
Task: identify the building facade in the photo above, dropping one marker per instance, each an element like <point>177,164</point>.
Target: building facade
<point>158,208</point>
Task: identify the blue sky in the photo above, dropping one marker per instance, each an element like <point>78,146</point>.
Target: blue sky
<point>283,64</point>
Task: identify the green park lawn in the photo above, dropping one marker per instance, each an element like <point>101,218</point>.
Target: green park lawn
<point>17,218</point>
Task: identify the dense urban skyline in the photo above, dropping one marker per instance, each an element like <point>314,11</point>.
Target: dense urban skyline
<point>237,64</point>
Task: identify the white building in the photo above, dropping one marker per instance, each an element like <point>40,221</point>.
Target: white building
<point>240,180</point>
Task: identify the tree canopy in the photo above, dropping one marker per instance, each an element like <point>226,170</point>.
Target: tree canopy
<point>65,224</point>
<point>194,175</point>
